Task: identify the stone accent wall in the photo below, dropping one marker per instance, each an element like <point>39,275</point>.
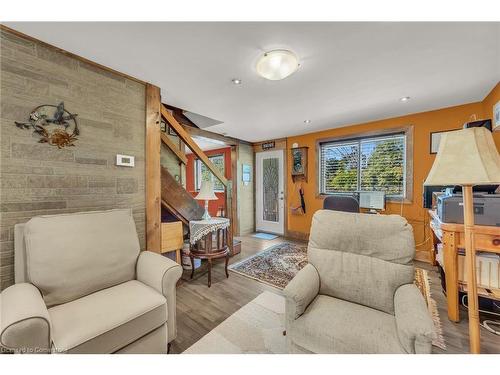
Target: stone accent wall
<point>39,179</point>
<point>246,205</point>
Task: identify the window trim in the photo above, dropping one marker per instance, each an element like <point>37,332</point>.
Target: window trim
<point>197,172</point>
<point>408,132</point>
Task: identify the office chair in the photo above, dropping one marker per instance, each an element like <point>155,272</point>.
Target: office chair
<point>343,203</point>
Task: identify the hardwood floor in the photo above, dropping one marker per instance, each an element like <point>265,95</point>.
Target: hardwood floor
<point>200,309</point>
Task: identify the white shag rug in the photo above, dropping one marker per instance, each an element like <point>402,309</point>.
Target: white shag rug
<point>255,328</point>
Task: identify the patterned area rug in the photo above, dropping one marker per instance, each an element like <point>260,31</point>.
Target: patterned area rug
<point>275,266</point>
<point>279,264</point>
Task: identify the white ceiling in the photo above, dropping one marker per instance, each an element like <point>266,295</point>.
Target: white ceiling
<point>206,144</point>
<point>350,72</point>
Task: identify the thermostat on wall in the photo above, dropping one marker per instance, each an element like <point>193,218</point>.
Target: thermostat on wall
<point>124,160</point>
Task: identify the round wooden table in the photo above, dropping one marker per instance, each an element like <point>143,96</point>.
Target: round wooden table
<point>213,244</point>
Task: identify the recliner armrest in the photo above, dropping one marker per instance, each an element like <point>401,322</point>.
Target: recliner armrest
<point>162,274</point>
<point>301,291</point>
<point>25,321</point>
<point>413,320</point>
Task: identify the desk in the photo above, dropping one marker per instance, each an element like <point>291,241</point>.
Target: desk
<point>487,239</point>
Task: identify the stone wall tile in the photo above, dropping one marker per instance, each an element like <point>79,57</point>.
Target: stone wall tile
<point>126,185</point>
<point>41,151</point>
<point>31,206</point>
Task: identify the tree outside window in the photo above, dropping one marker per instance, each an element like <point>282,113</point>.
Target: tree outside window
<point>364,164</point>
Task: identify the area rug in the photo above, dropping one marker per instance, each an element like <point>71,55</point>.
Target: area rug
<point>255,328</point>
<point>423,283</point>
<point>277,266</point>
<point>264,236</point>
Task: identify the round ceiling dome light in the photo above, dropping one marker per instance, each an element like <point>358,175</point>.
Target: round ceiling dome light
<point>277,64</point>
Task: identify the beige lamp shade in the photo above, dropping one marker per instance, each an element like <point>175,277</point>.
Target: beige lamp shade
<point>206,192</point>
<point>466,157</point>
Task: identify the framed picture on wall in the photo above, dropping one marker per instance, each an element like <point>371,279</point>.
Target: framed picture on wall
<point>163,126</point>
<point>172,132</point>
<point>435,139</point>
<point>496,116</point>
<point>246,174</point>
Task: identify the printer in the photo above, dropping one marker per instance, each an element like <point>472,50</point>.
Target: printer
<point>450,208</point>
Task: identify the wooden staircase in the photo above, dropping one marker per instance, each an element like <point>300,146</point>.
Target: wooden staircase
<point>177,200</point>
<point>174,197</point>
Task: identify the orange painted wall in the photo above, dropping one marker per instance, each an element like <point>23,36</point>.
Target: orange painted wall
<point>213,206</point>
<point>491,99</point>
<point>423,124</point>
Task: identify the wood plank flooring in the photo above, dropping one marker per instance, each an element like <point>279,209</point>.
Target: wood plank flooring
<point>200,309</point>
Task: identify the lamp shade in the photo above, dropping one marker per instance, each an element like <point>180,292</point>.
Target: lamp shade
<point>206,192</point>
<point>466,157</point>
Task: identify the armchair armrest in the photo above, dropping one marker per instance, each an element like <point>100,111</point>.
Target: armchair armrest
<point>25,321</point>
<point>162,274</point>
<point>300,292</point>
<point>413,321</point>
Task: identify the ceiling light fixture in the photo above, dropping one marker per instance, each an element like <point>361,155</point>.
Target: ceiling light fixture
<point>277,64</point>
<point>404,99</point>
<point>236,81</point>
<point>307,121</point>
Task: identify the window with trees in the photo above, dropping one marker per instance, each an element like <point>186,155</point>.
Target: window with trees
<point>364,164</point>
<point>202,173</point>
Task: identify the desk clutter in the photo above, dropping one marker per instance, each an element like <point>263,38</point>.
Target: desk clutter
<point>487,266</point>
<point>448,244</point>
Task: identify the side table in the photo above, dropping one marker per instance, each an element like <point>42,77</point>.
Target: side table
<point>209,240</point>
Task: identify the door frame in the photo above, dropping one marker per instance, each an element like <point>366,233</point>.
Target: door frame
<point>279,144</point>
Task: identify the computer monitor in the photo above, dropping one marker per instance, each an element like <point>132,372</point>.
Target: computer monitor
<point>373,200</point>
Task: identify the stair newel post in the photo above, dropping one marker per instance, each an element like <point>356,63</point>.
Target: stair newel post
<point>229,213</point>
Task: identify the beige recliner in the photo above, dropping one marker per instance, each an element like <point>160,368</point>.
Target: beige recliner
<point>84,286</point>
<point>357,295</point>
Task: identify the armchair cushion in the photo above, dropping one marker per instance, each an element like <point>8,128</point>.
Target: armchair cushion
<point>107,320</point>
<point>25,323</point>
<point>162,274</point>
<point>415,326</point>
<point>301,291</point>
<point>362,258</point>
<point>331,325</point>
<point>59,247</point>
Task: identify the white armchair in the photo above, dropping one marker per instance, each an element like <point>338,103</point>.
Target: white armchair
<point>83,286</point>
<point>357,295</point>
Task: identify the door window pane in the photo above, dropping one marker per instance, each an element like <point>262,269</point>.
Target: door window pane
<point>270,185</point>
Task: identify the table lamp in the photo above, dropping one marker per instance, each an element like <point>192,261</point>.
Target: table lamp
<point>467,157</point>
<point>206,194</point>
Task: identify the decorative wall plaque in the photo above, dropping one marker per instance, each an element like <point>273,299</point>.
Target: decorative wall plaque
<point>53,124</point>
<point>268,145</point>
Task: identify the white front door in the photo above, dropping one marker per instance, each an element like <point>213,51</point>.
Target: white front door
<point>269,181</point>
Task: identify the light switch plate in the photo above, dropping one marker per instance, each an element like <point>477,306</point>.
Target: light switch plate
<point>125,160</point>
